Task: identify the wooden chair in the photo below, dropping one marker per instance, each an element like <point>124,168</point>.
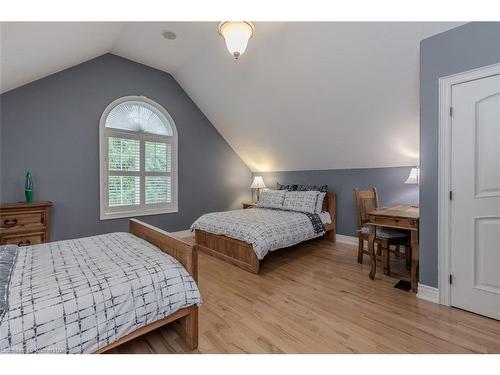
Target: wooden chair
<point>367,201</point>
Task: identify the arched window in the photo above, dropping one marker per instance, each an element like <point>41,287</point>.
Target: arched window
<point>138,159</point>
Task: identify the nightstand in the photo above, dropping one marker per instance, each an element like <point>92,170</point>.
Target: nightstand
<point>249,204</point>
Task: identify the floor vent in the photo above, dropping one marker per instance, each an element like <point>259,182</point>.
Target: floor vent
<point>403,285</point>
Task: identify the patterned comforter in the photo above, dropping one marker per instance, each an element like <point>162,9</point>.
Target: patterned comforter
<point>265,229</point>
<point>80,295</point>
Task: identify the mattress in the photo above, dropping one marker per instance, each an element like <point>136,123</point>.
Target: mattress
<point>79,295</point>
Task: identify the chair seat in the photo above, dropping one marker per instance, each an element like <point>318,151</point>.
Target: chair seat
<point>385,233</point>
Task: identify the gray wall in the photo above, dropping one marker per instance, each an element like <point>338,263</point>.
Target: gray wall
<point>50,127</point>
<point>389,182</point>
<point>466,47</point>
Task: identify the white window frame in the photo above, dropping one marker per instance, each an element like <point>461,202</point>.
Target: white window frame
<point>142,209</point>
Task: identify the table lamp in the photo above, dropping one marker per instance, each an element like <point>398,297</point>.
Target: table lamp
<point>414,176</point>
<point>258,183</point>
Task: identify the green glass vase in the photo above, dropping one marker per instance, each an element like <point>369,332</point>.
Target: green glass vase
<point>28,188</point>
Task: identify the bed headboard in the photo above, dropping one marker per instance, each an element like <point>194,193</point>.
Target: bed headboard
<point>331,207</point>
<point>331,202</point>
<point>180,250</point>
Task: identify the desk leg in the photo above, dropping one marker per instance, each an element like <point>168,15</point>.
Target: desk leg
<point>414,260</point>
<point>371,250</point>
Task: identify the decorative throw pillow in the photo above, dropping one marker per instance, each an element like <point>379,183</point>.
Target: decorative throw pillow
<point>302,201</point>
<point>289,187</point>
<point>271,199</point>
<point>298,187</point>
<point>319,202</point>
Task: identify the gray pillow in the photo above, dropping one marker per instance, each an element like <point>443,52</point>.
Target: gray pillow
<point>271,199</point>
<point>299,187</point>
<point>301,201</point>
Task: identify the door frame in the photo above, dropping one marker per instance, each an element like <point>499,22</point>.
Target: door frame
<point>444,171</point>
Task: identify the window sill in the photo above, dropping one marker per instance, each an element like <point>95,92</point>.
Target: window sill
<point>131,214</point>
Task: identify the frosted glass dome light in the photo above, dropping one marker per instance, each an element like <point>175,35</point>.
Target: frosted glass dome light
<point>236,35</point>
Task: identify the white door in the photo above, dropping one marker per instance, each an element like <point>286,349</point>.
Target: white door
<point>475,205</point>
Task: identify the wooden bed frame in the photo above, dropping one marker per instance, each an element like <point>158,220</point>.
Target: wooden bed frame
<point>241,253</point>
<point>186,320</point>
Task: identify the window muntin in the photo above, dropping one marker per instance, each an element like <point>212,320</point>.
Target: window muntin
<point>138,159</point>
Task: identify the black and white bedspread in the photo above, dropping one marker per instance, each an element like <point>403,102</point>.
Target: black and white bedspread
<point>265,229</point>
<point>77,296</point>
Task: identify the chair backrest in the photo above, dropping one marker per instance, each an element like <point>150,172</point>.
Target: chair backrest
<point>366,201</point>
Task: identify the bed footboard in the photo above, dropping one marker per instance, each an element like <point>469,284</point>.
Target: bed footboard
<point>185,320</point>
<point>180,250</point>
<point>185,323</point>
<point>231,250</point>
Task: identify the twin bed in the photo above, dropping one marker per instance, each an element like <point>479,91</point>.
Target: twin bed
<point>91,294</point>
<point>245,237</point>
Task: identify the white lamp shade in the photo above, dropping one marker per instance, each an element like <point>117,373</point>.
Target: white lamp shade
<point>414,176</point>
<point>258,183</point>
<point>236,35</point>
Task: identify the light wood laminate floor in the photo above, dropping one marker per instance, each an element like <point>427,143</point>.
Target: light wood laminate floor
<point>315,298</point>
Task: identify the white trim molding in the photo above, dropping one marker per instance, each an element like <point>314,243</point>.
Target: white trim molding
<point>444,172</point>
<point>347,239</point>
<point>428,293</point>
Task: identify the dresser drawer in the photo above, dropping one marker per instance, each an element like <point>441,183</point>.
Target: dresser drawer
<point>403,223</point>
<point>22,221</point>
<point>24,240</point>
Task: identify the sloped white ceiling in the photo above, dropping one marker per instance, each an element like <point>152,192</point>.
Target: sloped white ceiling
<point>32,50</point>
<point>303,96</point>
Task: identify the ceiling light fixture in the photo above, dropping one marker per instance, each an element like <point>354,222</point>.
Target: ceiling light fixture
<point>236,35</point>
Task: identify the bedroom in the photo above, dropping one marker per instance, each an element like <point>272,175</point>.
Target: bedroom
<point>302,177</point>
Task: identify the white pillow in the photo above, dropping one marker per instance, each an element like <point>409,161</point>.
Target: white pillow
<point>319,202</point>
<point>302,201</point>
<point>271,199</point>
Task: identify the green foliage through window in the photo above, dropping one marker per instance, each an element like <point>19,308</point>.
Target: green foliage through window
<point>158,157</point>
<point>124,190</point>
<point>158,189</point>
<point>123,154</point>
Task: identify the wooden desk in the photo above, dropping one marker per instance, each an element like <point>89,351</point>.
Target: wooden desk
<point>398,217</point>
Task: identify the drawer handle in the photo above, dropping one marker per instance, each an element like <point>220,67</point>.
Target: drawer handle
<point>10,222</point>
<point>24,243</point>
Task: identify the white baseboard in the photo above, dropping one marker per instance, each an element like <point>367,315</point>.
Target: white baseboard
<point>428,293</point>
<point>347,239</point>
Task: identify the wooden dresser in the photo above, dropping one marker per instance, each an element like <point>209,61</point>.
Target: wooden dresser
<point>25,224</point>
